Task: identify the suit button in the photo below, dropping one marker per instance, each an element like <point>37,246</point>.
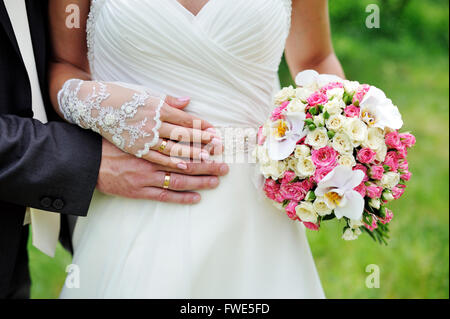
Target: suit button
<point>58,204</point>
<point>46,202</point>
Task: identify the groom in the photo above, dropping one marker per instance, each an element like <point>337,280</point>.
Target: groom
<point>55,166</point>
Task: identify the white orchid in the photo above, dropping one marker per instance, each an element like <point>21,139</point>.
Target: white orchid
<point>284,135</point>
<point>379,111</point>
<point>312,79</point>
<point>337,190</point>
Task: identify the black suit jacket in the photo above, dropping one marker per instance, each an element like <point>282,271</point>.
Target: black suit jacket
<point>52,167</point>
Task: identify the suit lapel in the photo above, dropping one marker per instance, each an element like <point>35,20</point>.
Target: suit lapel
<point>4,20</point>
<point>36,10</point>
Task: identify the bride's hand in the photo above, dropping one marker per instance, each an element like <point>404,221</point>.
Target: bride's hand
<point>139,122</point>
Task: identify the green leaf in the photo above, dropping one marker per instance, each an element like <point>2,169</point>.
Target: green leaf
<point>313,111</point>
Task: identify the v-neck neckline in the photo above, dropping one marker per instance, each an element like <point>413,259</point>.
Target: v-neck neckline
<point>190,13</point>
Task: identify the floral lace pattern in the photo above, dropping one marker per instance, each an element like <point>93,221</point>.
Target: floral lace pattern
<point>90,105</point>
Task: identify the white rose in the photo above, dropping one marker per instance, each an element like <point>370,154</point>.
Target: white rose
<point>375,138</point>
<point>319,120</point>
<point>274,169</point>
<point>388,196</point>
<point>349,234</point>
<point>317,138</point>
<point>355,223</point>
<point>390,180</point>
<point>336,93</point>
<point>341,143</point>
<point>296,106</point>
<point>356,131</point>
<point>261,155</point>
<point>375,203</point>
<point>347,160</point>
<point>351,86</point>
<point>334,106</point>
<point>321,207</point>
<point>285,94</point>
<point>303,93</point>
<point>277,205</point>
<point>305,211</point>
<point>291,164</point>
<point>302,151</point>
<point>335,122</point>
<point>305,167</point>
<point>381,153</point>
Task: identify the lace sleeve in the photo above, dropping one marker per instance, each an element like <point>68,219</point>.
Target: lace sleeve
<point>113,111</point>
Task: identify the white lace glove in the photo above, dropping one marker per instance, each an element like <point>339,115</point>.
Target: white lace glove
<point>130,117</point>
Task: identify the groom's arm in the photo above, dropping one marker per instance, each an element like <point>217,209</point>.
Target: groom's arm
<point>53,167</point>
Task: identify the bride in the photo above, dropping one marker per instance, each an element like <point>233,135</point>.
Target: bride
<point>224,55</point>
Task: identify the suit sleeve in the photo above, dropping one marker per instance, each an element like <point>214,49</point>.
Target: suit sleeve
<point>53,167</point>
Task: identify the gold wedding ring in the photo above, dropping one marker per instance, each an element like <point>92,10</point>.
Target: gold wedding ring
<point>166,181</point>
<point>163,146</point>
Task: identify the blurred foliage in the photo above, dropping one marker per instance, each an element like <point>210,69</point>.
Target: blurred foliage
<point>407,58</point>
<point>424,22</point>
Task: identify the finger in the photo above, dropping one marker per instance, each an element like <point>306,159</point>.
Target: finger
<point>180,182</point>
<point>198,169</point>
<point>181,118</point>
<point>164,160</point>
<point>171,148</point>
<point>168,196</point>
<point>179,103</point>
<point>188,135</point>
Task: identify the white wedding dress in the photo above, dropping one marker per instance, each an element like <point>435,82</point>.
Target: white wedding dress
<point>234,243</point>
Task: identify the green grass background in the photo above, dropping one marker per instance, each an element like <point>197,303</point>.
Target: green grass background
<point>408,58</point>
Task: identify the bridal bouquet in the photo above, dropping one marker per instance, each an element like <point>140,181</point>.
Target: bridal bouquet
<point>332,149</point>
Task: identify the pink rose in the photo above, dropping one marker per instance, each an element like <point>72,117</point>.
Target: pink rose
<point>407,139</point>
<point>374,191</point>
<point>366,155</point>
<point>388,218</point>
<point>397,192</point>
<point>391,161</point>
<point>325,156</point>
<point>362,168</point>
<point>288,177</point>
<point>402,152</point>
<point>373,225</point>
<point>290,210</point>
<point>272,189</point>
<point>360,93</point>
<point>307,185</point>
<point>403,165</point>
<point>311,226</point>
<point>278,112</point>
<point>321,172</point>
<point>261,137</point>
<point>333,85</point>
<point>317,98</point>
<point>292,191</point>
<point>361,189</point>
<point>392,140</point>
<point>352,111</point>
<point>376,172</point>
<point>406,176</point>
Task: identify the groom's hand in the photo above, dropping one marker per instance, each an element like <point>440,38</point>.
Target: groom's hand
<point>124,175</point>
